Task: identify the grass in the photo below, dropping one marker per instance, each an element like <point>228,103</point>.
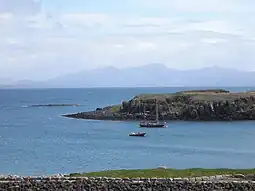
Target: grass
<point>163,173</point>
<point>188,92</point>
<point>196,95</point>
<point>206,91</point>
<point>115,108</point>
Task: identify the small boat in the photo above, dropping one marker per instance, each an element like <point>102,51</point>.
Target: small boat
<point>137,134</point>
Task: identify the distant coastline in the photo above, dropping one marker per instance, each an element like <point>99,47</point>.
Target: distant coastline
<point>150,75</point>
<point>193,105</point>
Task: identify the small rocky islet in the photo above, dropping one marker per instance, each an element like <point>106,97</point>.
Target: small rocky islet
<point>55,105</point>
<point>195,105</point>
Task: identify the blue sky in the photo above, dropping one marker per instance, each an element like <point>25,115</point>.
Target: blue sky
<point>47,38</point>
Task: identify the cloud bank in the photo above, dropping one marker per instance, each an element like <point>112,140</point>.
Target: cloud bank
<point>38,43</point>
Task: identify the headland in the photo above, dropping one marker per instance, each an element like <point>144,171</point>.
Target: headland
<point>195,105</point>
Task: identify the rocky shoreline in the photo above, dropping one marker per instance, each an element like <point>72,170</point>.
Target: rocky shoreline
<point>197,105</point>
<point>65,182</point>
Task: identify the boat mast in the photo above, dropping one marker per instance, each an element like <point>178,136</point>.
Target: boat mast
<point>156,110</point>
<point>143,108</point>
<point>144,112</point>
<point>139,105</point>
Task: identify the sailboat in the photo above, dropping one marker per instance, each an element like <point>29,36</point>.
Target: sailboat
<point>153,124</point>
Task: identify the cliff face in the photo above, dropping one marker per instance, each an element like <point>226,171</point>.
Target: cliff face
<point>195,106</point>
<point>192,105</point>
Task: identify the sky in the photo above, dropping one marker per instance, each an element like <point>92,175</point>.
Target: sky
<point>42,39</point>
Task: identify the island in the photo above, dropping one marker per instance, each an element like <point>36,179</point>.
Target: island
<point>195,105</point>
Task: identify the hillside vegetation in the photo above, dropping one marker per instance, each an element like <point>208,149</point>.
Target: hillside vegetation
<point>164,173</point>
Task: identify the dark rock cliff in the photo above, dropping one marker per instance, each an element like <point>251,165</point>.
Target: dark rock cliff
<point>212,105</point>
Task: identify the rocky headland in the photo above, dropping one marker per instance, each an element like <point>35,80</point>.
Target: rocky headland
<point>196,105</point>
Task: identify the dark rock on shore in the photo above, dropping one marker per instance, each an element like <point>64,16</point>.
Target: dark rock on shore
<point>197,105</point>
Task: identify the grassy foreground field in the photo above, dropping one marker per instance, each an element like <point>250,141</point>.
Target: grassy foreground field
<point>164,173</point>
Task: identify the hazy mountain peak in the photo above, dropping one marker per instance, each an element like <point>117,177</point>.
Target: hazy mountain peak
<point>156,66</point>
<point>107,68</point>
<point>217,69</point>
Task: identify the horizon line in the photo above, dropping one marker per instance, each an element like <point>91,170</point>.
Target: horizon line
<point>127,87</point>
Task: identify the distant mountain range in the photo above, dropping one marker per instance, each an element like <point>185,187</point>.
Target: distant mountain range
<point>146,76</point>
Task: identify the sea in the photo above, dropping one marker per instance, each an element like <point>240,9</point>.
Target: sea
<point>37,141</point>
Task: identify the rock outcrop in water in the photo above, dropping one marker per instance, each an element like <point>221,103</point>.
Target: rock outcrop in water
<point>55,105</point>
<point>199,105</point>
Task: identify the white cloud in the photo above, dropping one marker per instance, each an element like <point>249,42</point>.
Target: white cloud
<point>5,16</point>
<point>216,26</point>
<point>213,40</point>
<point>39,21</point>
<point>212,5</point>
<point>146,46</point>
<point>85,19</point>
<point>119,46</point>
<point>198,5</point>
<point>147,22</point>
<point>20,7</point>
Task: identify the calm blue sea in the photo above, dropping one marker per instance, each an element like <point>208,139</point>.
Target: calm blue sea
<point>38,141</point>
